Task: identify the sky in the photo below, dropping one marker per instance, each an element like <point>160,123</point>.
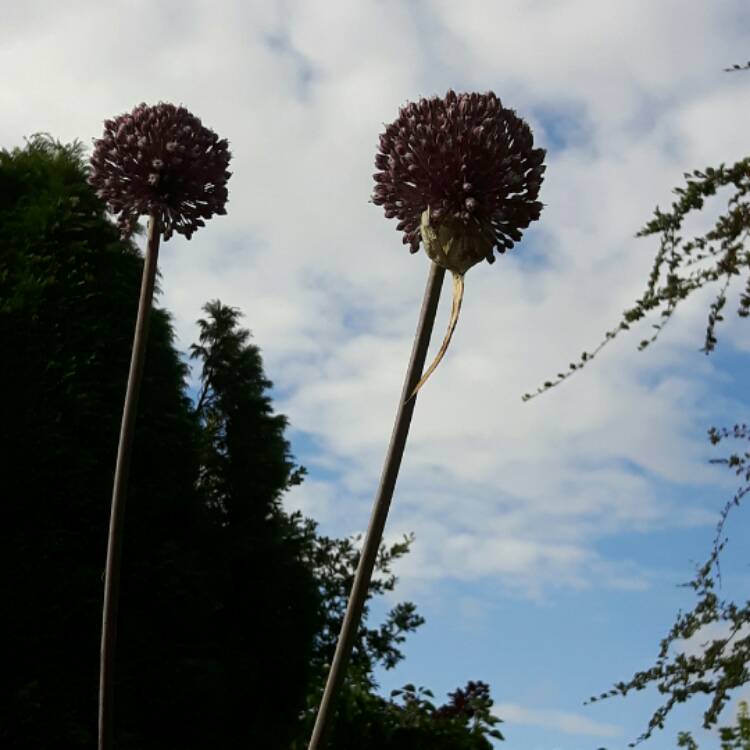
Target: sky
<point>552,535</point>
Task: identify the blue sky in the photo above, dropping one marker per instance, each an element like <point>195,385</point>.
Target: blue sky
<point>551,535</point>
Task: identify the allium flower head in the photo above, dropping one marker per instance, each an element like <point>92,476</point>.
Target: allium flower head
<point>465,167</point>
<point>161,160</point>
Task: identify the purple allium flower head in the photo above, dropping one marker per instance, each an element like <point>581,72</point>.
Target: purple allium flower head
<point>161,160</point>
<point>465,166</point>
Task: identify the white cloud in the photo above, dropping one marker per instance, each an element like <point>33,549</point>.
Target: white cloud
<point>561,721</point>
<point>493,487</point>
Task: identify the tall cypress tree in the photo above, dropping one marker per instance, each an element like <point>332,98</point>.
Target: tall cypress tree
<point>66,311</point>
<point>245,468</point>
<point>217,613</point>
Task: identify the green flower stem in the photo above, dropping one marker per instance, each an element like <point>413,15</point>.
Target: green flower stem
<point>381,505</point>
<point>117,513</point>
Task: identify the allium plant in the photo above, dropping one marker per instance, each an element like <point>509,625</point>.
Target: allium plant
<point>462,177</point>
<point>161,162</point>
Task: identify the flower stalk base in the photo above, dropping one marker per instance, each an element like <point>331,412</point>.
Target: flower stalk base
<point>358,596</point>
<point>117,513</point>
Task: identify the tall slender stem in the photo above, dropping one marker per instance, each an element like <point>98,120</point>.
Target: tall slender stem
<point>117,512</point>
<point>380,508</point>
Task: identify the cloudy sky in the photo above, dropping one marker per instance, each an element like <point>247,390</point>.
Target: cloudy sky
<point>550,535</point>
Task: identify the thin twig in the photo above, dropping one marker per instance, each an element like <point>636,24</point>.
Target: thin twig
<point>117,513</point>
<point>324,719</point>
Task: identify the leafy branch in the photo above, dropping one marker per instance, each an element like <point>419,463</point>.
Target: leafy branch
<point>723,664</point>
<point>680,268</point>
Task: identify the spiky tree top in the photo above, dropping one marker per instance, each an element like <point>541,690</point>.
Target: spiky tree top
<point>161,160</point>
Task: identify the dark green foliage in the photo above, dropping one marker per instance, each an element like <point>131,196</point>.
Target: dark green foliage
<point>216,624</point>
<point>244,449</point>
<point>233,413</point>
<point>335,562</point>
<point>410,721</point>
<point>723,664</point>
<point>245,466</point>
<point>741,465</point>
<point>230,607</point>
<point>722,667</point>
<point>67,307</point>
<point>364,719</point>
<point>736,737</point>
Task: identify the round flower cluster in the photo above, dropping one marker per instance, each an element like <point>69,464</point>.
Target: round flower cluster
<point>161,160</point>
<point>466,161</point>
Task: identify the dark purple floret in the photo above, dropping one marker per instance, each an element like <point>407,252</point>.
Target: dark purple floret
<point>468,159</point>
<point>161,160</point>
